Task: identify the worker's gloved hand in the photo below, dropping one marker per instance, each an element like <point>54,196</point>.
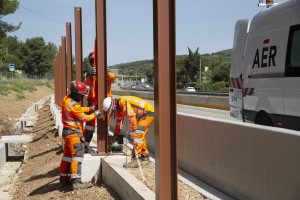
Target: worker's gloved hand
<point>82,139</point>
<point>97,113</point>
<point>93,108</point>
<point>94,71</point>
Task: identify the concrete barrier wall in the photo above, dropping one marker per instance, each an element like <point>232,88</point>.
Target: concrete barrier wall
<point>243,160</point>
<point>196,100</point>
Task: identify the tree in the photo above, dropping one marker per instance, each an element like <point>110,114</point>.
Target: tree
<point>8,7</point>
<point>188,68</point>
<point>221,73</point>
<point>37,57</point>
<point>86,66</point>
<point>150,74</point>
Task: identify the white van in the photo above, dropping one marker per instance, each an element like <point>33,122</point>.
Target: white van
<point>265,67</point>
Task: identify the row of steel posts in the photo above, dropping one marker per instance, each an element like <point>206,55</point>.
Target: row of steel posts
<point>164,32</point>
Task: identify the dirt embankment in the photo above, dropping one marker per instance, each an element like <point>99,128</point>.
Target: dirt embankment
<point>12,107</point>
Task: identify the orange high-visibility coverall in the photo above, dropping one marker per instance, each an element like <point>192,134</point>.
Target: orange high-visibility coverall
<point>73,117</point>
<point>92,98</point>
<point>140,114</point>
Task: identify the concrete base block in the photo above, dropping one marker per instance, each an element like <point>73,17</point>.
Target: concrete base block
<point>90,167</point>
<point>122,181</point>
<point>58,120</point>
<point>2,155</point>
<point>60,130</point>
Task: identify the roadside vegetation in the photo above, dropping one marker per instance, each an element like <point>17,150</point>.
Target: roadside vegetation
<point>20,86</point>
<point>215,70</point>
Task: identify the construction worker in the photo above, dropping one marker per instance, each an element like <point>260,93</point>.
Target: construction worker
<point>73,116</point>
<point>92,82</point>
<point>140,114</point>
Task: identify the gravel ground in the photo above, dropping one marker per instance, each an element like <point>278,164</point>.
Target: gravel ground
<point>185,192</point>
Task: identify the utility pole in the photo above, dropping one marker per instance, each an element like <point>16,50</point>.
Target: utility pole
<point>200,71</point>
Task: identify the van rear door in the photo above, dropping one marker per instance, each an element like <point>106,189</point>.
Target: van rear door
<point>292,75</point>
<point>236,69</point>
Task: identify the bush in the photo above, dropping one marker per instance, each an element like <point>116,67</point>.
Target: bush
<point>220,86</point>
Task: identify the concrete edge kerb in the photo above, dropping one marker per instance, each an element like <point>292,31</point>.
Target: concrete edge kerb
<point>123,182</point>
<point>30,113</point>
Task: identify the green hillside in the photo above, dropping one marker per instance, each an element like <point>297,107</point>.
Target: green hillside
<point>139,67</point>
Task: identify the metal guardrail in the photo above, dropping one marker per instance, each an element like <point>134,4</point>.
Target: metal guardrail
<point>203,93</point>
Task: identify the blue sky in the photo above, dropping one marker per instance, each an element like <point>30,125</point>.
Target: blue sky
<point>208,25</point>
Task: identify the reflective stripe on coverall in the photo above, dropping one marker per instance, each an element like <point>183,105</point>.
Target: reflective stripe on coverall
<point>141,115</point>
<point>73,116</point>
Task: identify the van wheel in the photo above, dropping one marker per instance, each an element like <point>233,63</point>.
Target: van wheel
<point>263,119</point>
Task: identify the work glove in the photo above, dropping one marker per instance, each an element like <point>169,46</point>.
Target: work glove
<point>82,139</point>
<point>110,133</point>
<point>94,71</point>
<point>93,108</point>
<point>97,113</point>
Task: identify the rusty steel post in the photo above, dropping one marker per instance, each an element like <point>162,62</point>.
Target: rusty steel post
<point>57,76</point>
<point>69,55</point>
<point>78,43</point>
<point>165,91</point>
<point>60,77</point>
<point>64,71</point>
<point>101,59</point>
<point>54,80</point>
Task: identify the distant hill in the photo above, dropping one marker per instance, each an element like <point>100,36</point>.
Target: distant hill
<point>139,67</point>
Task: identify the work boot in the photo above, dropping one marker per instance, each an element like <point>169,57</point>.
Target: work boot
<point>145,158</point>
<point>78,185</point>
<point>132,164</point>
<point>64,181</point>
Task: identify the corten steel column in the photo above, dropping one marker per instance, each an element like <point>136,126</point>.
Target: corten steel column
<point>101,59</point>
<point>55,79</point>
<point>64,71</point>
<point>78,43</point>
<point>165,99</point>
<point>60,77</point>
<point>69,55</point>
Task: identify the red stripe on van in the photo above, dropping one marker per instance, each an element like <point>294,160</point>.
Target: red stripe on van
<point>232,80</point>
<point>238,83</point>
<point>251,91</point>
<point>266,41</point>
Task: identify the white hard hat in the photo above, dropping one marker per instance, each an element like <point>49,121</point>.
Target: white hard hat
<point>108,105</point>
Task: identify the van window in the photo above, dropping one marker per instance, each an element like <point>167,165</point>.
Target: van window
<point>293,53</point>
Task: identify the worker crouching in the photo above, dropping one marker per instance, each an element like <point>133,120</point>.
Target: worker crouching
<point>140,114</point>
<point>73,116</point>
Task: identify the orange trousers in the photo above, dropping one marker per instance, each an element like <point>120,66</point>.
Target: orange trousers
<point>72,158</point>
<point>140,133</point>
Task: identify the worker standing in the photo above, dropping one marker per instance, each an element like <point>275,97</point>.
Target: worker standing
<point>140,114</point>
<point>73,116</point>
<point>92,82</point>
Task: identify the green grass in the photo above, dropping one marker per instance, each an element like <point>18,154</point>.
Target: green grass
<point>4,90</point>
<point>22,85</point>
<point>20,97</point>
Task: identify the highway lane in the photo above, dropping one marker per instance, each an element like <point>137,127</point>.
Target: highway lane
<point>201,111</point>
